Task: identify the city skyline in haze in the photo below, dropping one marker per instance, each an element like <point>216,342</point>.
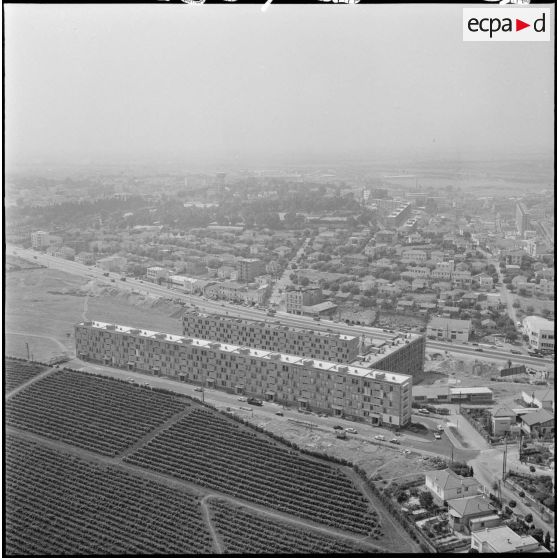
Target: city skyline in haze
<point>307,82</point>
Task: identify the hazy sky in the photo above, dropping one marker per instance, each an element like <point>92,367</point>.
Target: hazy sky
<point>196,81</point>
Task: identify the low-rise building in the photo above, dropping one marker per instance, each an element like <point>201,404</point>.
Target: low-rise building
<point>157,273</point>
<point>542,398</point>
<point>502,420</point>
<point>485,281</point>
<point>540,332</point>
<point>540,423</point>
<point>85,258</point>
<point>297,298</point>
<point>502,539</point>
<point>112,263</point>
<point>471,509</point>
<point>449,329</point>
<point>446,485</point>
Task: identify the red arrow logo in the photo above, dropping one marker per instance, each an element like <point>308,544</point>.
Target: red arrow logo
<point>519,25</point>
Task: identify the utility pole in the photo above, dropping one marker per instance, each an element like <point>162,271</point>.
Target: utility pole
<point>504,461</point>
<point>27,346</point>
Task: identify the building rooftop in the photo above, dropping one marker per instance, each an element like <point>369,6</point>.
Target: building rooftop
<point>470,505</point>
<point>257,353</point>
<point>447,479</point>
<point>470,391</point>
<point>538,323</point>
<point>504,539</point>
<point>448,323</point>
<point>537,417</point>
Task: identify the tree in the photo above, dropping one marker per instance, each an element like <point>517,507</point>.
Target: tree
<point>529,518</point>
<point>512,503</point>
<point>426,500</point>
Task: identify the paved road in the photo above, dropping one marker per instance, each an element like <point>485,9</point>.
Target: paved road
<point>252,313</point>
<point>426,445</point>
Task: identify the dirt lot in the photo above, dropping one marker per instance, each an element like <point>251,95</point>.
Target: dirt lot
<point>42,306</point>
<point>390,463</point>
<point>470,371</point>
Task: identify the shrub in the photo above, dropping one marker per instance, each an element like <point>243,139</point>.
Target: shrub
<point>529,518</point>
<point>512,503</point>
<point>522,494</point>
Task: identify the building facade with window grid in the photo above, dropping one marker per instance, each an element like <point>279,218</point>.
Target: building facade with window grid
<point>369,395</point>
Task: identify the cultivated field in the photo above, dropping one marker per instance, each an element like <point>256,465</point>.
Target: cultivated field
<point>245,532</point>
<point>97,465</point>
<point>17,372</point>
<point>217,453</point>
<point>58,504</point>
<point>97,414</point>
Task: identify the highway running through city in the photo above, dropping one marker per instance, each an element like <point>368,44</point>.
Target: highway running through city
<point>221,307</point>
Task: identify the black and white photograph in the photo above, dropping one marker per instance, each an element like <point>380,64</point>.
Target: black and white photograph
<point>279,278</point>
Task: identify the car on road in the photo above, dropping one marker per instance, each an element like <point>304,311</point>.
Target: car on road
<point>424,411</point>
<point>242,399</point>
<point>198,389</point>
<point>279,413</point>
<point>437,436</point>
<point>479,350</point>
<point>337,427</point>
<point>379,437</point>
<point>350,430</point>
<point>394,441</point>
<point>515,352</point>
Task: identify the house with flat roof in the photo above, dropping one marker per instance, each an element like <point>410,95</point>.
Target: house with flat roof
<point>502,420</point>
<point>449,329</point>
<point>502,539</point>
<point>540,332</point>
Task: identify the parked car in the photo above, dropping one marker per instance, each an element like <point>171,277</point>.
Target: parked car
<point>254,401</point>
<point>437,436</point>
<point>407,451</point>
<point>424,411</point>
<point>242,399</point>
<point>379,437</point>
<point>440,427</point>
<point>350,430</point>
<point>198,389</point>
<point>479,350</point>
<point>279,413</point>
<point>515,352</point>
<point>337,427</point>
<point>130,380</point>
<point>394,441</point>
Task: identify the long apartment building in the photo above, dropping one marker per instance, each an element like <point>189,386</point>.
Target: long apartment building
<point>271,336</point>
<point>372,396</point>
<point>401,352</point>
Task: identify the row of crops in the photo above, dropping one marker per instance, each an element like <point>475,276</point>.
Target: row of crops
<point>17,372</point>
<point>58,504</point>
<point>217,453</point>
<point>98,414</point>
<point>245,532</point>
